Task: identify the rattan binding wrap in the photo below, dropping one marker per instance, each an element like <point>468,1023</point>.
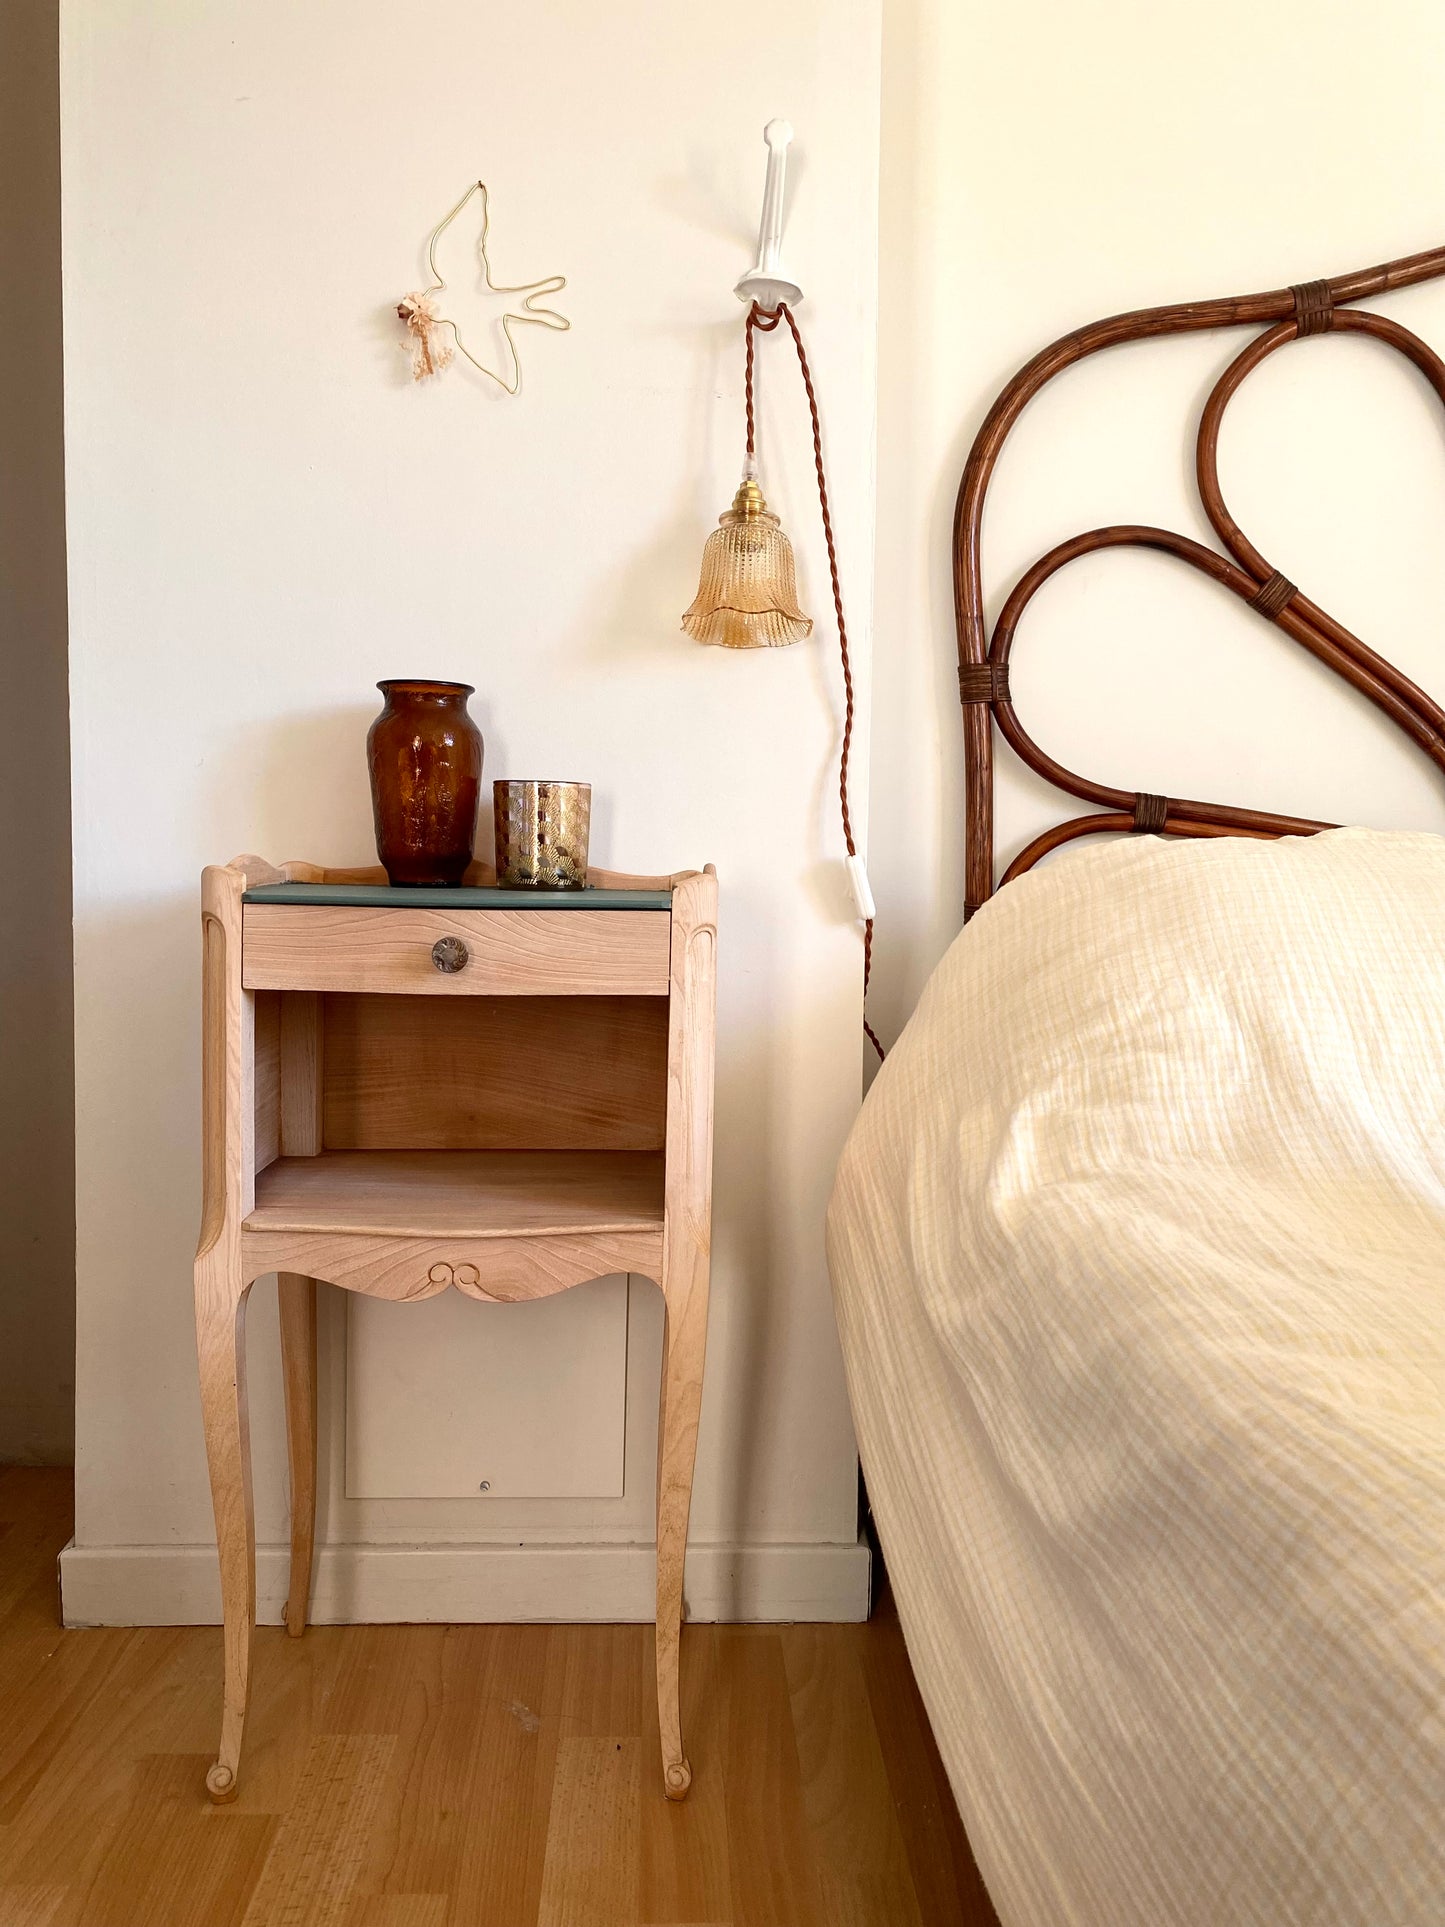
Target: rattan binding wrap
<point>1281,316</point>
<point>983,682</point>
<point>1314,308</point>
<point>1151,813</point>
<point>1273,596</point>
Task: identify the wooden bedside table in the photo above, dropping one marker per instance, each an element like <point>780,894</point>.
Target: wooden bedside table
<point>508,1092</point>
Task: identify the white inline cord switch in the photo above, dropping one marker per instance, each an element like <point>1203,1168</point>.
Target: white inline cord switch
<point>767,283</point>
<point>862,894</point>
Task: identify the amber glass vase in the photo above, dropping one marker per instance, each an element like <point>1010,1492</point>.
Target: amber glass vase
<point>426,777</point>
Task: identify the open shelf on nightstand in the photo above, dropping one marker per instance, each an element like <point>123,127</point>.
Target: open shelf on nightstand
<point>461,1194</point>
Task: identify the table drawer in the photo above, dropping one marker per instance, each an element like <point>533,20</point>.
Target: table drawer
<point>521,953</point>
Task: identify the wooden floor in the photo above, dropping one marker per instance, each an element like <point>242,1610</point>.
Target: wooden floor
<point>460,1776</point>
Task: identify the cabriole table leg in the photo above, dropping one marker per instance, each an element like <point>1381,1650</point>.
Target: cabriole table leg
<point>297,1299</point>
<point>221,1345</point>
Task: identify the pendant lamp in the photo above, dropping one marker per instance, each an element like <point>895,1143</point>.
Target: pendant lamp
<point>747,597</point>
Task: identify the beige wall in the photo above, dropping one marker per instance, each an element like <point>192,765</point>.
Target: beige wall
<point>1045,164</point>
<point>37,1206</point>
<point>266,516</point>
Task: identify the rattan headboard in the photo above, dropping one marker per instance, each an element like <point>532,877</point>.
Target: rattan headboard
<point>983,661</point>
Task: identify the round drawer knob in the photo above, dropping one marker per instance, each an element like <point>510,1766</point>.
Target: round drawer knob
<point>449,954</point>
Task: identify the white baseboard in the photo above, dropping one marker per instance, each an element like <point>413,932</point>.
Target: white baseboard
<point>469,1584</point>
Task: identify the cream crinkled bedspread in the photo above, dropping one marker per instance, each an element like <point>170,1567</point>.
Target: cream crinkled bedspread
<point>1138,1250</point>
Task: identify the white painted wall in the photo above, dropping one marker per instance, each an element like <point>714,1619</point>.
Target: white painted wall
<point>265,516</point>
<point>1045,164</point>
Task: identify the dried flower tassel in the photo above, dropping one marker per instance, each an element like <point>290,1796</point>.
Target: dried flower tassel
<point>427,335</point>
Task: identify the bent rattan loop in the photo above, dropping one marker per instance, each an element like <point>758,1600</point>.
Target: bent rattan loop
<point>1151,813</point>
<point>1284,314</point>
<point>1314,307</point>
<point>983,682</point>
<point>1275,592</point>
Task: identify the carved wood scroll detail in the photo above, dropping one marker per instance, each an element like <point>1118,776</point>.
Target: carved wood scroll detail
<point>465,1277</point>
<point>500,1270</point>
<point>1292,313</point>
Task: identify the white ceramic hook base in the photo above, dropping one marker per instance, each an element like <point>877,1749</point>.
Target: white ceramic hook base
<point>766,283</point>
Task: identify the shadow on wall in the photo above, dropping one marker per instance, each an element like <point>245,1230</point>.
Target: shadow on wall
<point>749,1289</point>
<point>311,770</point>
<point>37,1158</point>
<point>308,769</point>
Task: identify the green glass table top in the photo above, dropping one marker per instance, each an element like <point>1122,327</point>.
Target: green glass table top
<point>384,896</point>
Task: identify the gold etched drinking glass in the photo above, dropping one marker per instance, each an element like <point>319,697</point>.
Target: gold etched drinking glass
<point>542,834</point>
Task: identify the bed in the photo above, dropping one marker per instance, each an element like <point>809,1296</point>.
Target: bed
<point>1138,1253</point>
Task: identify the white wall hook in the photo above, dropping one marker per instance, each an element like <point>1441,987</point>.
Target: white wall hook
<point>766,283</point>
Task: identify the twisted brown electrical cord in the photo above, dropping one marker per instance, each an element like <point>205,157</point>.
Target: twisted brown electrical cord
<point>765,321</point>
